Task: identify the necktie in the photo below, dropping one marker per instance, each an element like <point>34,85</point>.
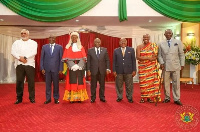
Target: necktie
<point>168,43</point>
<point>51,48</point>
<point>98,52</point>
<point>123,51</point>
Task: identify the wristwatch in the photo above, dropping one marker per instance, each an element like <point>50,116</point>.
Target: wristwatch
<point>25,57</point>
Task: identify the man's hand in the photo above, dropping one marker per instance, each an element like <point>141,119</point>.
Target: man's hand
<point>162,67</point>
<point>60,72</point>
<point>75,67</point>
<point>22,59</point>
<point>133,73</point>
<point>182,67</point>
<point>43,72</point>
<point>115,74</point>
<point>108,71</point>
<point>88,73</point>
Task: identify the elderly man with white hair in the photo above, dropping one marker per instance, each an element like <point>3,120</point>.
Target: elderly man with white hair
<point>24,50</point>
<point>75,57</point>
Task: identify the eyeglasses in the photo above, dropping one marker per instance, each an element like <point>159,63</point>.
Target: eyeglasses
<point>23,33</point>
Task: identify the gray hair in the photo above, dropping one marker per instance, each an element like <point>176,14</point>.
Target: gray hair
<point>25,31</point>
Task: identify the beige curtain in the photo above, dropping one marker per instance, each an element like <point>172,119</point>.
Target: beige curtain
<point>7,68</point>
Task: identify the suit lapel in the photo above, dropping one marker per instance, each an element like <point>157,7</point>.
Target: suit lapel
<point>94,52</point>
<point>126,52</point>
<point>101,51</point>
<point>49,49</point>
<point>166,46</point>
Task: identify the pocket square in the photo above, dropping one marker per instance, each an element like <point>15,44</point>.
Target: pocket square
<point>175,44</point>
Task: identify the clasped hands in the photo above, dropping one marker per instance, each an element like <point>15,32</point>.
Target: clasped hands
<point>22,59</point>
<point>76,67</point>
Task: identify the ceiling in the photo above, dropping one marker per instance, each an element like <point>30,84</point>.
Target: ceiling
<point>12,25</point>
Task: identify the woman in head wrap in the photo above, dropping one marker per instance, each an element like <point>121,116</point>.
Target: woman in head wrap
<point>75,57</point>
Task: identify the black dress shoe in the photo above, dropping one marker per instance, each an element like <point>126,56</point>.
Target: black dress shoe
<point>18,101</point>
<point>32,101</point>
<point>130,101</point>
<point>47,101</point>
<point>178,102</point>
<point>92,100</point>
<point>166,101</point>
<point>102,100</point>
<point>56,101</point>
<point>118,100</point>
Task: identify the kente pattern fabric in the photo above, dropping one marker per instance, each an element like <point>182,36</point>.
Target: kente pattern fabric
<point>148,72</point>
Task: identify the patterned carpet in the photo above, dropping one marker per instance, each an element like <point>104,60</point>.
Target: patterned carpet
<point>111,116</point>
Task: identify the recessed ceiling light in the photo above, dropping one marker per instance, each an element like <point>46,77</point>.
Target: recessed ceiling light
<point>77,20</point>
<point>150,20</point>
<point>1,20</point>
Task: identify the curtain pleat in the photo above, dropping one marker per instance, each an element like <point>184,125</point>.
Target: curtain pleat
<point>50,10</point>
<point>122,10</point>
<point>182,10</point>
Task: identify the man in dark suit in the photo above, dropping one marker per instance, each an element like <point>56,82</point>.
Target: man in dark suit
<point>98,65</point>
<point>51,66</point>
<point>124,69</point>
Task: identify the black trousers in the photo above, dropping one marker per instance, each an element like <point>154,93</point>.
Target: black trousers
<point>94,78</point>
<point>23,71</point>
<point>76,77</point>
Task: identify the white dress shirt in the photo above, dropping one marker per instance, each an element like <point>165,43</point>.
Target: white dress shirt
<point>124,49</point>
<point>24,48</point>
<point>52,47</point>
<point>96,50</point>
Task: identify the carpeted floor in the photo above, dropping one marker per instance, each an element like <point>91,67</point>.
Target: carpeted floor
<point>93,117</point>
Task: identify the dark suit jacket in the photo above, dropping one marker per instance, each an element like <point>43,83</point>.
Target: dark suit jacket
<point>126,64</point>
<point>52,62</point>
<point>102,63</point>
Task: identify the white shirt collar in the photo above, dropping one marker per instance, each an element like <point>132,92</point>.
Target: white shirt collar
<point>96,48</point>
<point>52,44</point>
<point>124,48</point>
<point>169,40</point>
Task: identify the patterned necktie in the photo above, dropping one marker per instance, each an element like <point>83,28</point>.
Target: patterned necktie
<point>168,43</point>
<point>123,51</point>
<point>97,52</point>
